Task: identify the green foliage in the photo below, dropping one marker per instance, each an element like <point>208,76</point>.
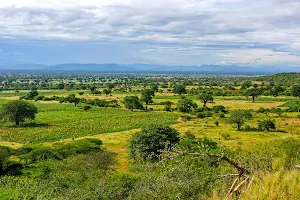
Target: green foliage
<point>186,105</point>
<point>253,92</point>
<point>296,90</point>
<point>219,108</point>
<point>31,95</point>
<point>293,105</point>
<point>179,89</point>
<point>133,102</point>
<point>239,117</point>
<point>148,143</point>
<point>147,96</point>
<point>106,91</point>
<point>168,106</point>
<point>17,111</point>
<point>87,107</point>
<point>206,97</point>
<point>267,125</point>
<point>189,136</point>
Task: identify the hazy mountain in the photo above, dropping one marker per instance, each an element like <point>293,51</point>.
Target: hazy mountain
<point>228,69</point>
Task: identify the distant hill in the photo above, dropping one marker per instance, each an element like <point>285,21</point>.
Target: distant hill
<point>144,68</point>
<point>282,78</point>
<point>91,67</point>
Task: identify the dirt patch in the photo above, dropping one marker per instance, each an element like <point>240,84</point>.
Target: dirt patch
<point>3,131</point>
<point>296,121</point>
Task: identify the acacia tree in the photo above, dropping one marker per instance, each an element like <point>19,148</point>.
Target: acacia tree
<point>17,111</point>
<point>147,96</point>
<point>206,97</point>
<point>133,102</point>
<point>179,89</point>
<point>239,117</point>
<point>253,92</point>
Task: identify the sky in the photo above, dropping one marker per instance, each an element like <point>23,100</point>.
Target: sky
<point>171,32</point>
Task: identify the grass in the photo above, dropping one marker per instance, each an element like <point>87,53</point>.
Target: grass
<point>56,122</point>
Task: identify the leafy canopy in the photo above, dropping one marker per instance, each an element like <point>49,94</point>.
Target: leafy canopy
<point>17,111</point>
<point>149,142</point>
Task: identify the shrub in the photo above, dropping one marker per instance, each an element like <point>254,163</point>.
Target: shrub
<point>226,136</point>
<point>186,105</point>
<point>217,123</point>
<point>87,108</point>
<point>189,136</point>
<point>267,125</point>
<point>149,142</point>
<point>219,108</point>
<point>200,115</point>
<point>221,115</point>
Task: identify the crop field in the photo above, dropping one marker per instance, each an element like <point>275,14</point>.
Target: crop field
<point>56,122</point>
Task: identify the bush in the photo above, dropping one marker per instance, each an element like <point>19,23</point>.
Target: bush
<point>148,143</point>
<point>12,168</point>
<point>186,105</point>
<point>87,108</point>
<point>221,115</point>
<point>200,115</point>
<point>267,125</point>
<point>189,136</point>
<point>226,136</point>
<point>219,108</point>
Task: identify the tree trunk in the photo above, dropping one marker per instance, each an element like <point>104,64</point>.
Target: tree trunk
<point>239,126</point>
<point>204,103</point>
<point>253,99</point>
<point>17,121</point>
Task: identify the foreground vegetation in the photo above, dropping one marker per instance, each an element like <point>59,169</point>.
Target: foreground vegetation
<point>134,136</point>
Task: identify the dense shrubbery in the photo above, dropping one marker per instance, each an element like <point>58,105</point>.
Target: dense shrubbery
<point>29,155</point>
<point>148,143</point>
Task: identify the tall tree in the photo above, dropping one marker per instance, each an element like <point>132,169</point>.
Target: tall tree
<point>147,96</point>
<point>17,111</point>
<point>179,89</point>
<point>133,102</point>
<point>239,117</point>
<point>254,93</point>
<point>206,97</point>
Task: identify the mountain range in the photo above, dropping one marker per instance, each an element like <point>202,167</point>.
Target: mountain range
<point>146,68</point>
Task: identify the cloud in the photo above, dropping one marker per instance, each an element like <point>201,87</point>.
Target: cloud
<point>224,28</point>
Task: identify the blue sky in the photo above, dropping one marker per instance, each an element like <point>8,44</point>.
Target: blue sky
<point>173,32</point>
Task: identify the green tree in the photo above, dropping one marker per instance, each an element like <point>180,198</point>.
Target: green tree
<point>17,111</point>
<point>276,90</point>
<point>32,94</point>
<point>106,91</point>
<point>186,105</point>
<point>147,96</point>
<point>149,142</point>
<point>239,117</point>
<point>246,85</point>
<point>133,102</point>
<point>296,90</point>
<point>154,87</point>
<point>179,89</point>
<point>206,97</point>
<point>267,125</point>
<point>253,92</point>
<point>168,106</point>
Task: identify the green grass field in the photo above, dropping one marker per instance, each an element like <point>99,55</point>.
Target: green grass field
<point>56,122</point>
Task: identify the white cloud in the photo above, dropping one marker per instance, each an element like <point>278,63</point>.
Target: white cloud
<point>240,31</point>
<point>257,56</point>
